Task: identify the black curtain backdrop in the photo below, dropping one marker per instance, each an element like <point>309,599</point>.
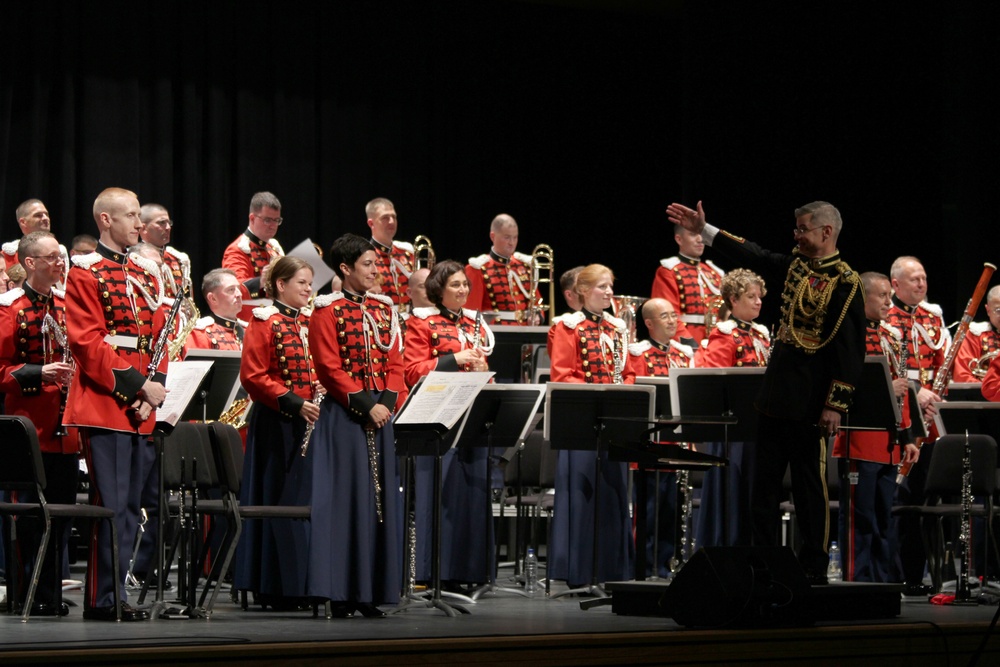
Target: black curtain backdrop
<point>583,120</point>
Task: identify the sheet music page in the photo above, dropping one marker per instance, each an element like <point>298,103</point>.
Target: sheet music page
<point>183,380</point>
<point>443,398</point>
<point>322,273</point>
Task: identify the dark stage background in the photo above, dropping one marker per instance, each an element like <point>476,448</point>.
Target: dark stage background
<point>583,120</point>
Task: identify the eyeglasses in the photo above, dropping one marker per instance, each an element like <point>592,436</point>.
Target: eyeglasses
<point>51,259</point>
<point>164,223</point>
<point>799,231</point>
<point>270,221</point>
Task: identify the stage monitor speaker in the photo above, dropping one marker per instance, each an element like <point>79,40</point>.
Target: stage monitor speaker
<point>739,587</point>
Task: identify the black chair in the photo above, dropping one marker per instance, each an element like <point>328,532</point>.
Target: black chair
<point>944,483</point>
<point>22,470</point>
<point>227,447</point>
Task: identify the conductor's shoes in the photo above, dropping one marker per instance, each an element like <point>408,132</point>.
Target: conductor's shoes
<point>369,610</point>
<point>49,609</point>
<point>129,613</point>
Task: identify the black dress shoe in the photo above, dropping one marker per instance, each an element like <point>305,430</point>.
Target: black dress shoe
<point>341,610</point>
<point>917,590</point>
<point>369,610</point>
<point>129,613</point>
<point>49,609</point>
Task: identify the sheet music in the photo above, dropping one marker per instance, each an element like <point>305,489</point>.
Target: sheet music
<point>443,398</point>
<point>183,380</point>
<point>322,273</point>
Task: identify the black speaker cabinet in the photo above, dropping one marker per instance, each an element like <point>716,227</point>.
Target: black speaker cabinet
<point>739,587</point>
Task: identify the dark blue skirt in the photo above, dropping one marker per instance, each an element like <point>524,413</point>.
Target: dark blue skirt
<point>273,555</point>
<point>354,558</point>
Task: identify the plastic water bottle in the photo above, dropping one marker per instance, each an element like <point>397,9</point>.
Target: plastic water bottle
<point>531,573</point>
<point>833,570</point>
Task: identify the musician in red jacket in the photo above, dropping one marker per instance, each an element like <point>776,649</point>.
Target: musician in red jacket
<point>869,457</point>
<point>981,343</point>
<point>114,323</point>
<point>35,374</point>
<point>500,282</point>
<point>355,545</point>
<point>222,329</point>
<point>691,284</point>
<point>252,252</point>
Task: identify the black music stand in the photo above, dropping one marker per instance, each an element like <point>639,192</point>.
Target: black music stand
<point>500,418</point>
<point>965,391</point>
<point>717,391</point>
<point>591,417</point>
<point>220,386</point>
<point>506,358</point>
<point>972,416</point>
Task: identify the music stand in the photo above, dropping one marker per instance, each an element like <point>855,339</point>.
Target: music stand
<point>662,409</point>
<point>965,391</point>
<point>973,416</point>
<point>586,417</point>
<point>505,360</point>
<point>500,417</point>
<point>718,391</point>
<point>219,388</point>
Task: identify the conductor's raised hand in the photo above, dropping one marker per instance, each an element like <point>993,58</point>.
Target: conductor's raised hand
<point>692,220</point>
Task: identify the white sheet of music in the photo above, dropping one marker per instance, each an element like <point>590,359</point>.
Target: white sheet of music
<point>443,398</point>
<point>322,273</point>
<point>183,380</point>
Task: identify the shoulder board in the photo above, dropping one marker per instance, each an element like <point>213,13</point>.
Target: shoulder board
<point>470,313</point>
<point>59,293</point>
<point>572,320</point>
<point>243,243</point>
<point>524,258</point>
<point>636,349</point>
<point>182,257</point>
<point>10,247</point>
<point>277,246</point>
<point>726,326</point>
<point>306,311</point>
<point>264,312</point>
<point>845,270</point>
<point>893,331</point>
<point>712,266</point>
<point>617,323</point>
<point>242,323</point>
<point>762,330</point>
<point>425,312</point>
<point>145,264</point>
<point>327,299</point>
<point>203,322</point>
<point>403,245</point>
<point>86,261</point>
<point>10,296</point>
<point>381,298</point>
<point>979,328</point>
<point>670,262</point>
<point>479,262</point>
<point>686,350</point>
<point>932,308</point>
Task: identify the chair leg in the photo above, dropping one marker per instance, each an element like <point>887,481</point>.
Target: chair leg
<point>37,569</point>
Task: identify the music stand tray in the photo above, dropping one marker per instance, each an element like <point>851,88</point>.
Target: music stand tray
<point>957,417</point>
<point>965,391</point>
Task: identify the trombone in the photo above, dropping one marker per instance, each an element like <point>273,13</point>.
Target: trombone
<point>423,253</point>
<point>542,266</point>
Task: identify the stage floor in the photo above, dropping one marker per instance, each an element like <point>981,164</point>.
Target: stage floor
<point>501,628</point>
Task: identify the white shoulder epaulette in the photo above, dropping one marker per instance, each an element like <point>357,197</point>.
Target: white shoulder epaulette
<point>145,264</point>
<point>10,247</point>
<point>762,330</point>
<point>425,312</point>
<point>670,262</point>
<point>182,257</point>
<point>203,322</point>
<point>277,246</point>
<point>524,258</point>
<point>712,266</point>
<point>726,326</point>
<point>979,328</point>
<point>479,262</point>
<point>616,322</point>
<point>932,308</point>
<point>61,293</point>
<point>893,331</point>
<point>381,298</point>
<point>264,312</point>
<point>686,350</point>
<point>470,313</point>
<point>10,296</point>
<point>572,320</point>
<point>327,299</point>
<point>86,261</point>
<point>636,349</point>
<point>242,323</point>
<point>243,243</point>
<point>403,245</point>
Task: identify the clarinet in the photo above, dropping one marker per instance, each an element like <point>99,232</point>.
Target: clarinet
<point>310,426</point>
<point>962,592</point>
<point>51,328</point>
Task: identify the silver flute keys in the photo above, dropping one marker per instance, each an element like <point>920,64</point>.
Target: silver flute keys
<point>311,426</point>
<point>373,468</point>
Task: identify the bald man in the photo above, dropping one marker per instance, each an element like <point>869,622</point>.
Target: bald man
<point>500,282</point>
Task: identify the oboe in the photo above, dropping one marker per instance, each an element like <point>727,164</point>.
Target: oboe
<point>962,592</point>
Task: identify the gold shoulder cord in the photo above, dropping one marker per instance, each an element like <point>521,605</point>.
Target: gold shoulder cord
<point>821,300</point>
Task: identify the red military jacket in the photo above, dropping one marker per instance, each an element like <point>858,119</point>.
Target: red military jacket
<point>650,358</point>
<point>434,336</point>
<point>114,321</point>
<point>500,284</point>
<point>277,368</point>
<point>878,446</point>
<point>980,341</point>
<point>395,264</point>
<point>358,348</point>
<point>927,339</point>
<point>176,271</point>
<point>9,252</point>
<point>591,348</point>
<point>246,257</point>
<point>991,383</point>
<point>33,334</point>
<point>214,332</point>
<point>693,288</point>
<point>735,344</point>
